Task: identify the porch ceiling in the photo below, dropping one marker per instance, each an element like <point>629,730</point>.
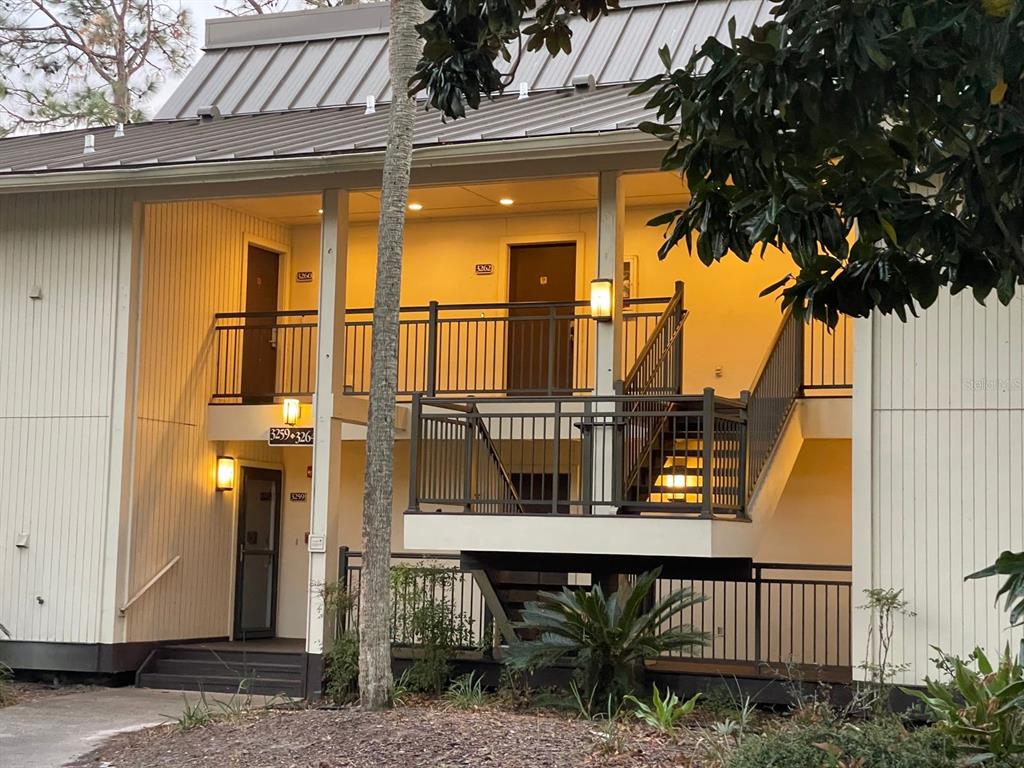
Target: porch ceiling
<point>466,200</point>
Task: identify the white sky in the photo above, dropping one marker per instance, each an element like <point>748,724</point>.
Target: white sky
<point>201,11</point>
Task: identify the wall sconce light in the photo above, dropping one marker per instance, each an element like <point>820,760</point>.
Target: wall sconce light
<point>225,473</point>
<point>601,299</point>
<point>291,409</point>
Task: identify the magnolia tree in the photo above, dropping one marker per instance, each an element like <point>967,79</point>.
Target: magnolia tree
<point>68,63</point>
<point>879,142</point>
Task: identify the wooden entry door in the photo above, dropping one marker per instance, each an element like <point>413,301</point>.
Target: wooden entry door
<point>540,344</point>
<point>259,349</point>
<point>259,523</point>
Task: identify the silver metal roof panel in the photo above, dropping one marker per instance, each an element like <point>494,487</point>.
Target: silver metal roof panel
<point>338,56</point>
<point>331,130</point>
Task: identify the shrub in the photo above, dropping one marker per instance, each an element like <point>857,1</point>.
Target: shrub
<point>426,617</point>
<point>983,709</point>
<point>7,696</point>
<point>606,639</point>
<point>880,743</point>
<point>466,692</point>
<point>341,669</point>
<point>663,712</point>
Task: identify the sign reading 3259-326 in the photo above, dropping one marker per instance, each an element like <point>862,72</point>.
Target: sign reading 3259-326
<point>284,436</point>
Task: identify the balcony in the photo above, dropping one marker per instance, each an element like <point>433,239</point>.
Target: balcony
<point>444,349</point>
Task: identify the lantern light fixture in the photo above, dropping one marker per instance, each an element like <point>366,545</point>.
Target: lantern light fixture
<point>601,299</point>
<point>225,473</point>
<point>291,409</point>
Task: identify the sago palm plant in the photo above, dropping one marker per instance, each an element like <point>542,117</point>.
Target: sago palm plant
<point>605,638</point>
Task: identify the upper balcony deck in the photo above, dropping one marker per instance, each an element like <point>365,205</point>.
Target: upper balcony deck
<point>472,349</point>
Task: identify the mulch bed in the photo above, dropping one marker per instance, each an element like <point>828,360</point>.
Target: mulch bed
<point>406,737</point>
<point>24,692</point>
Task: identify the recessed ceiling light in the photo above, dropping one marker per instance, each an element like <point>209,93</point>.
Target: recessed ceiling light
<point>415,206</point>
<point>506,201</point>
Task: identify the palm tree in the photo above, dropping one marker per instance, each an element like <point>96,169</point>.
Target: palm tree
<point>375,681</point>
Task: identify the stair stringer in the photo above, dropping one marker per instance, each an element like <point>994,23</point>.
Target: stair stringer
<point>809,419</point>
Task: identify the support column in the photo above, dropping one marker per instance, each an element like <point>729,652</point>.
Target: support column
<point>326,501</point>
<point>611,214</point>
<point>606,466</point>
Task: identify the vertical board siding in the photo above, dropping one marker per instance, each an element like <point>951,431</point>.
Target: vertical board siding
<point>192,268</point>
<point>56,379</point>
<point>947,471</point>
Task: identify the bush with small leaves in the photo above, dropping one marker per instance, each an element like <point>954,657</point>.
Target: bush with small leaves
<point>882,743</point>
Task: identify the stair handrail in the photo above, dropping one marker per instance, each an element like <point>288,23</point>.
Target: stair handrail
<point>675,313</point>
<point>473,410</point>
<point>670,323</point>
<point>146,587</point>
<point>776,388</point>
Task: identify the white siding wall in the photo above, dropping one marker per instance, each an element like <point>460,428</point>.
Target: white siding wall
<point>946,471</point>
<point>193,268</point>
<point>57,380</point>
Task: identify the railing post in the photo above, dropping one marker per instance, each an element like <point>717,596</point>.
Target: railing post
<point>341,622</point>
<point>414,451</point>
<point>467,464</point>
<point>432,349</point>
<point>677,352</point>
<point>741,470</point>
<point>757,615</point>
<point>619,426</point>
<point>552,346</point>
<point>587,459</point>
<point>708,444</point>
<point>556,456</point>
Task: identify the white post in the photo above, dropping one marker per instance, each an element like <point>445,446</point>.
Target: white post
<point>323,515</point>
<point>608,335</point>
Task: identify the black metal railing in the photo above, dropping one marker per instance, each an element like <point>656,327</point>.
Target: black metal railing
<point>522,348</point>
<point>828,357</point>
<point>420,579</point>
<point>561,455</point>
<point>786,613</point>
<point>776,388</point>
<point>444,349</point>
<point>658,366</point>
<point>263,355</point>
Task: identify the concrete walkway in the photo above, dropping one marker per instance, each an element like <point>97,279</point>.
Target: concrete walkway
<point>51,731</point>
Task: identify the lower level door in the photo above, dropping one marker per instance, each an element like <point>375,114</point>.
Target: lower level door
<point>259,513</point>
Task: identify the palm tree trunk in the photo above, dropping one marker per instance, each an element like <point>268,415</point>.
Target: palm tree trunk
<point>375,681</point>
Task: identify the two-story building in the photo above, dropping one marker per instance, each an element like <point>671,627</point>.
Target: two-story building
<point>185,359</point>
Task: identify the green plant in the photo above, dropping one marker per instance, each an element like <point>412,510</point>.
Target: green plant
<point>884,605</point>
<point>882,743</point>
<point>663,712</point>
<point>606,639</point>
<point>401,690</point>
<point>7,696</point>
<point>1010,565</point>
<point>426,618</point>
<point>466,692</point>
<point>983,709</point>
<point>204,711</point>
<point>341,669</point>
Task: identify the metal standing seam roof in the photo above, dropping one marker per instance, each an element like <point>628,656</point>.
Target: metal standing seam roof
<point>338,57</point>
<point>341,130</point>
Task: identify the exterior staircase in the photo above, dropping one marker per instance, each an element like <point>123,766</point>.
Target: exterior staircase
<point>517,588</point>
<point>218,668</point>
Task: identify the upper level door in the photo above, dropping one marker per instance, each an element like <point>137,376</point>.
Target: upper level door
<point>540,344</point>
<point>259,513</point>
<point>259,348</point>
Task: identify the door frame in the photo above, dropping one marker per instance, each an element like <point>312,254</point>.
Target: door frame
<point>583,260</point>
<point>284,261</point>
<point>236,582</point>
